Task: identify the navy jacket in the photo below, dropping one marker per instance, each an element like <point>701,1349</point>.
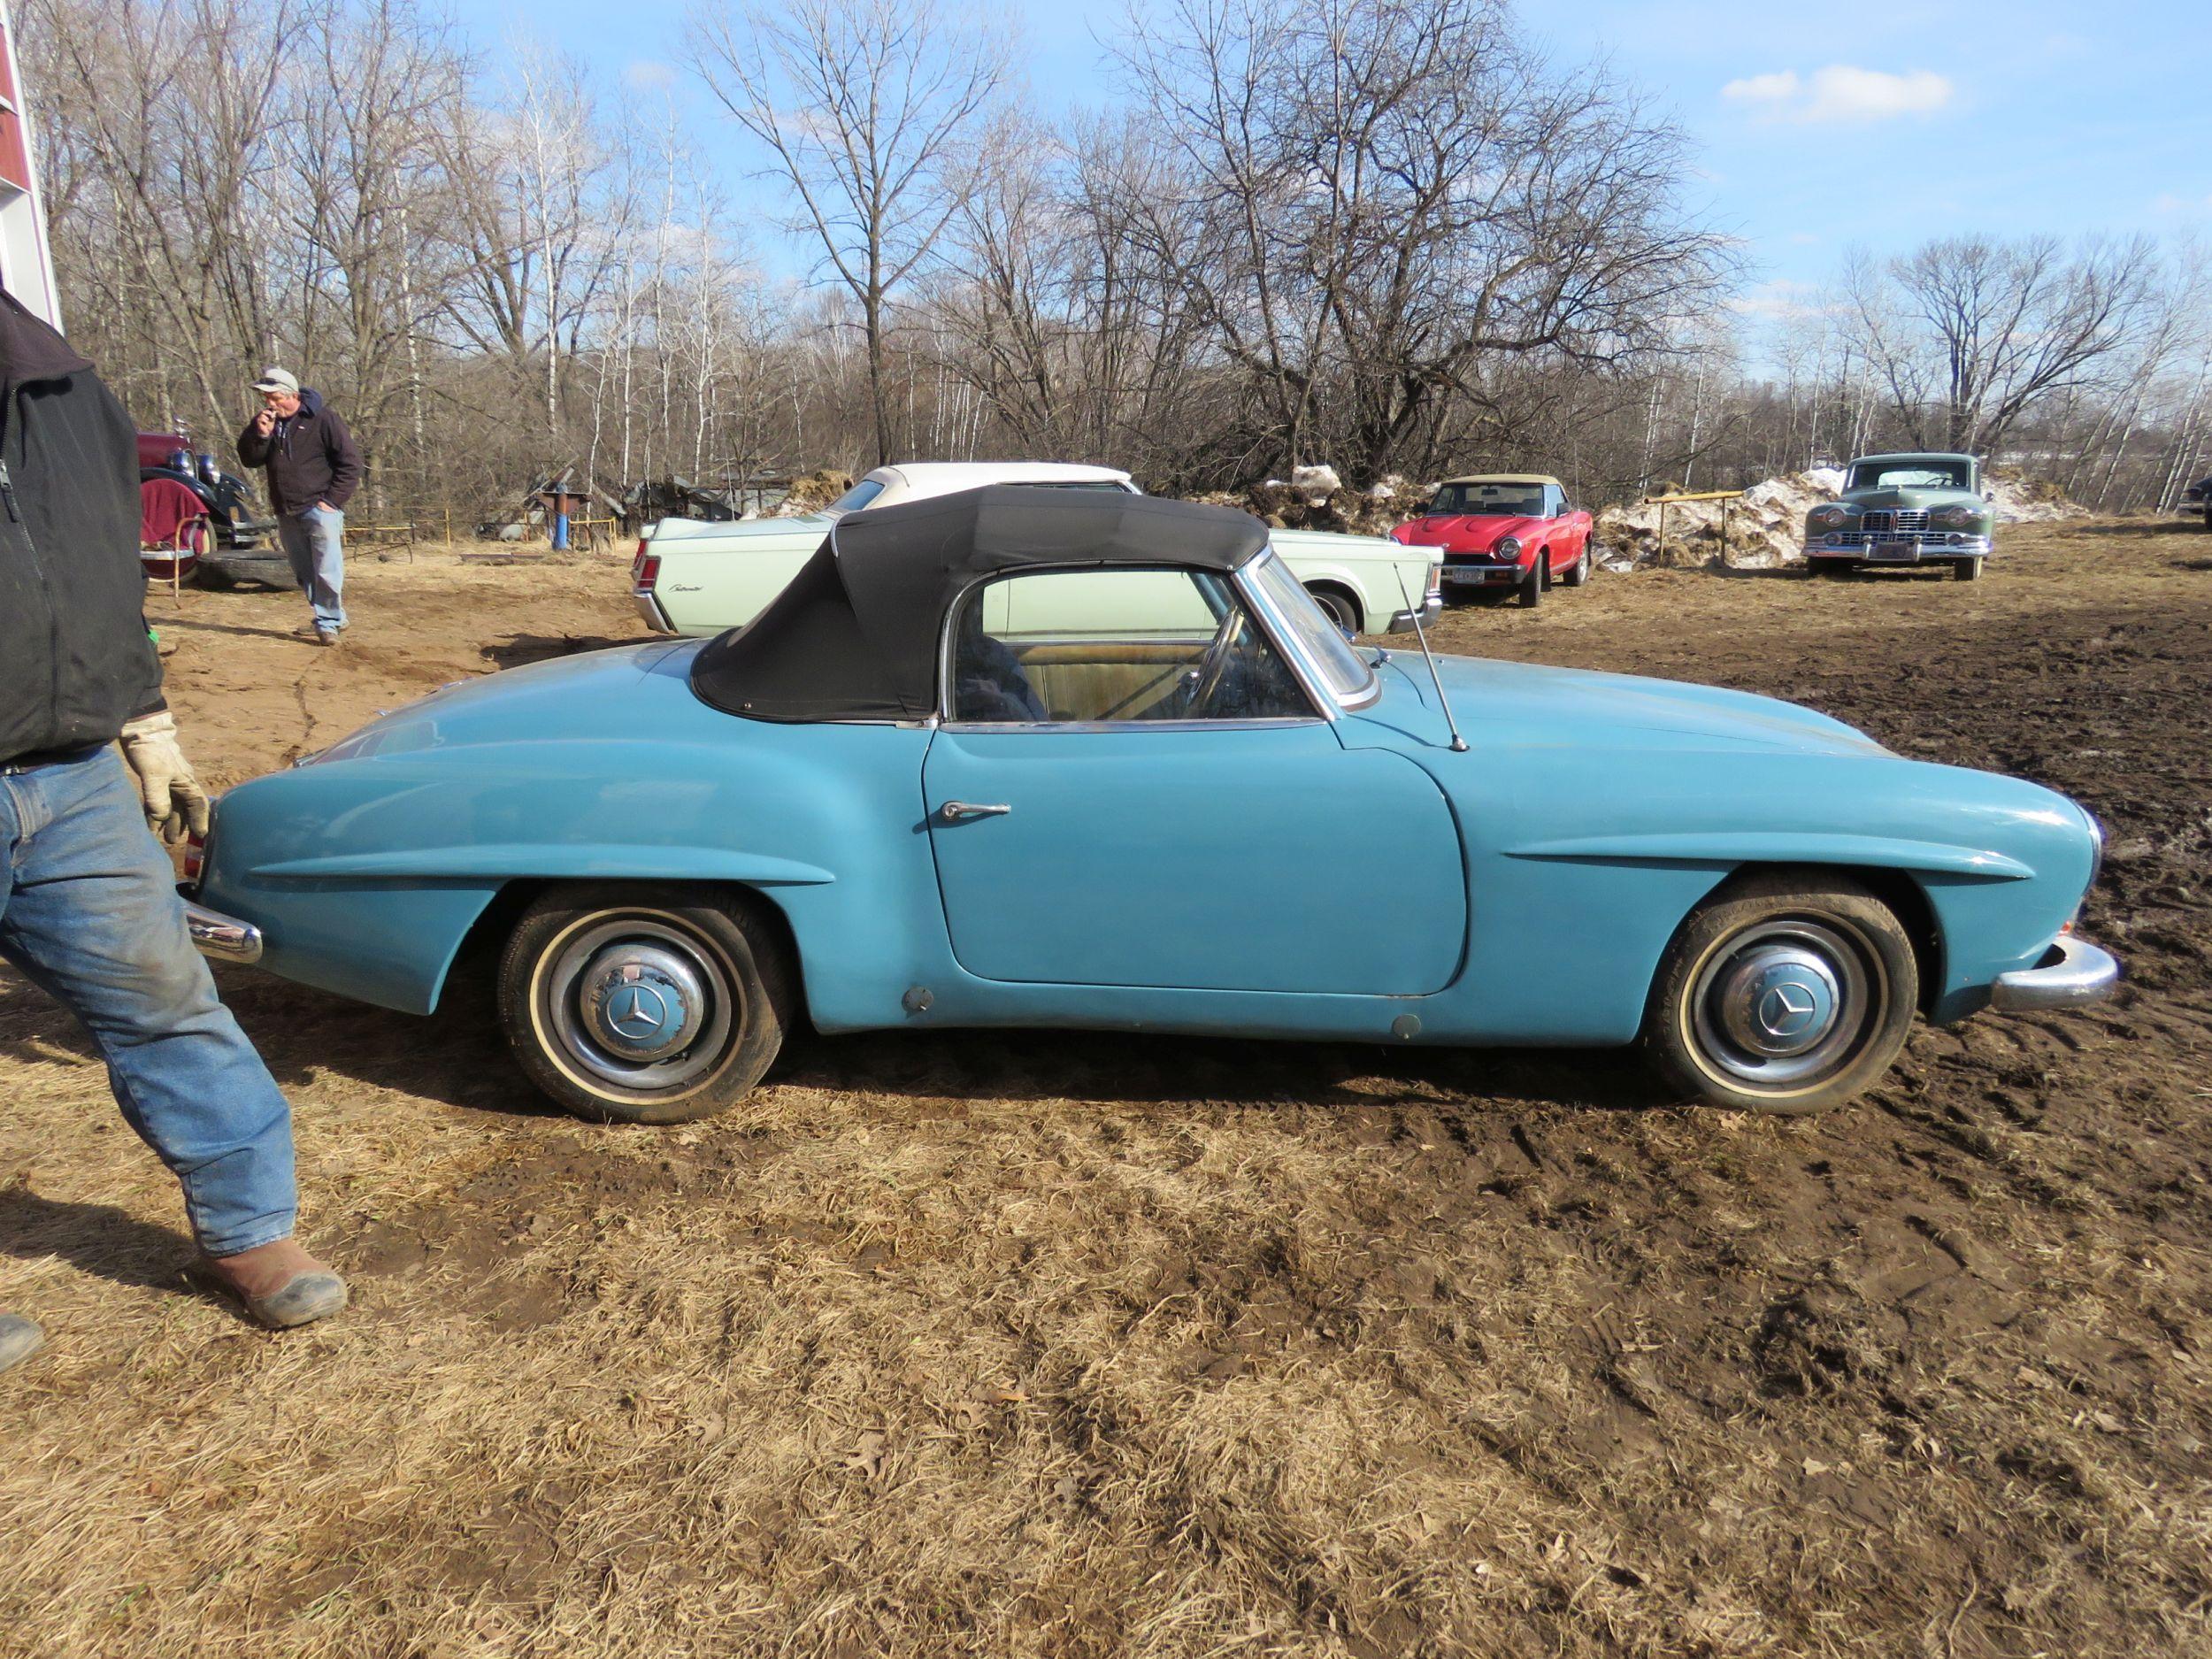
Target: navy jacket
<point>75,662</point>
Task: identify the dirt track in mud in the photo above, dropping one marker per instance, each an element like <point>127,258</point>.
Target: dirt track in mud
<point>1079,1345</point>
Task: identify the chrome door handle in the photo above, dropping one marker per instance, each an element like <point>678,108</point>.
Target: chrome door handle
<point>960,811</point>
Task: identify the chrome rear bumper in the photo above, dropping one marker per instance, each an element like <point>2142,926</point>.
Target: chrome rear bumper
<point>2072,972</point>
<point>1431,608</point>
<point>222,937</point>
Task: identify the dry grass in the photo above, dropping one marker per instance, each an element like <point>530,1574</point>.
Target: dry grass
<point>1087,1346</point>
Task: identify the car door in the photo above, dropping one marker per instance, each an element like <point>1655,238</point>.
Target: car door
<point>1134,787</point>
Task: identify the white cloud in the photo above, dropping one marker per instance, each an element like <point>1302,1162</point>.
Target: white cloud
<point>1781,301</point>
<point>2168,202</point>
<point>1841,93</point>
<point>648,74</point>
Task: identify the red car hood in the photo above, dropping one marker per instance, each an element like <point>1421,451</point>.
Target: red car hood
<point>1467,532</point>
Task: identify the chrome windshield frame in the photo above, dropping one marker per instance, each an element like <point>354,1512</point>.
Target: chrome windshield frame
<point>1292,646</point>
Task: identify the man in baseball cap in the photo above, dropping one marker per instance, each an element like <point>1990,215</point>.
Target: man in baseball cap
<point>313,468</point>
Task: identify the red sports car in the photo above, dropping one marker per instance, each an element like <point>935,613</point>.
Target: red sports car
<point>1503,530</point>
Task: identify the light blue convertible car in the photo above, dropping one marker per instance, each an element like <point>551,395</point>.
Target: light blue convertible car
<point>1025,756</point>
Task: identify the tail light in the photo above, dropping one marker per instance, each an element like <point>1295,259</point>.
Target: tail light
<point>645,569</point>
<point>1436,579</point>
<point>195,855</point>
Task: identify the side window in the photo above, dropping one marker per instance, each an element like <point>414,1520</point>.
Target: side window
<point>1066,647</point>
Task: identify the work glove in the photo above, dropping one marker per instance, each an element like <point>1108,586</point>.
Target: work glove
<point>173,798</point>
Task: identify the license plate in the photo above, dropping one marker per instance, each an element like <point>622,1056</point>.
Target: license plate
<point>1465,577</point>
<point>1894,548</point>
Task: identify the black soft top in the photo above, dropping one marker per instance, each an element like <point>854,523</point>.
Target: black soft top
<point>854,637</point>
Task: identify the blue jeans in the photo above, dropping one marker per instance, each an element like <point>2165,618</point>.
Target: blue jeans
<point>314,541</point>
<point>89,913</point>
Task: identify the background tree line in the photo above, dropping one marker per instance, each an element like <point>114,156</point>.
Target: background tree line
<point>1385,234</point>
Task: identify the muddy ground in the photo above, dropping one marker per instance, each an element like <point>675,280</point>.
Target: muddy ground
<point>1093,1346</point>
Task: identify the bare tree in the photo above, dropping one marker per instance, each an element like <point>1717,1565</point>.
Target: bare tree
<point>1968,333</point>
<point>865,106</point>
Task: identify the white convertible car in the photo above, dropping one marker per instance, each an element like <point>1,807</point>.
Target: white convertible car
<point>697,578</point>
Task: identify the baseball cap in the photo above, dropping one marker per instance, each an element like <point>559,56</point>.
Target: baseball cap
<point>275,380</point>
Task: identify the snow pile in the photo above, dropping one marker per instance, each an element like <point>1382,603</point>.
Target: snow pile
<point>2025,500</point>
<point>1766,526</point>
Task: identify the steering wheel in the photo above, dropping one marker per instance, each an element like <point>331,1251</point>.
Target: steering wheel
<point>1213,667</point>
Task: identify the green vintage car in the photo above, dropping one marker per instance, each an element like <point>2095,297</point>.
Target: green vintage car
<point>1904,510</point>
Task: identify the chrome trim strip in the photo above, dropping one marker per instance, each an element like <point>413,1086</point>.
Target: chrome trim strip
<point>224,937</point>
<point>2081,974</point>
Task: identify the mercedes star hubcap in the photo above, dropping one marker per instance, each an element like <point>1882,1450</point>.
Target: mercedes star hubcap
<point>643,1002</point>
<point>1785,1002</point>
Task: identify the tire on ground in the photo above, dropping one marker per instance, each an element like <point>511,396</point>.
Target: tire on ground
<point>573,937</point>
<point>1689,1036</point>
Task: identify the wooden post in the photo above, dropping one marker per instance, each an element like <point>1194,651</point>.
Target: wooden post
<point>1724,561</point>
<point>1662,531</point>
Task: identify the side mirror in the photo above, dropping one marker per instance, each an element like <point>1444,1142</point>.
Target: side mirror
<point>1989,495</point>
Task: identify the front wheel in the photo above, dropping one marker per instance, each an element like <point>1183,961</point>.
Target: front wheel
<point>1783,993</point>
<point>1966,570</point>
<point>1532,588</point>
<point>644,1003</point>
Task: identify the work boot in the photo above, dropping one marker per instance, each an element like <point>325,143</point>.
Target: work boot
<point>325,636</point>
<point>281,1284</point>
<point>19,1339</point>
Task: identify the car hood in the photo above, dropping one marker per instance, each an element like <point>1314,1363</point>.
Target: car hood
<point>1468,532</point>
<point>1532,704</point>
<point>1910,500</point>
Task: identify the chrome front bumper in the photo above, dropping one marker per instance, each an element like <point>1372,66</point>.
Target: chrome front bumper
<point>222,937</point>
<point>1935,547</point>
<point>2072,974</point>
<point>1431,608</point>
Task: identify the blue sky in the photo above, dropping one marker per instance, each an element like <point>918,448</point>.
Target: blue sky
<point>1878,123</point>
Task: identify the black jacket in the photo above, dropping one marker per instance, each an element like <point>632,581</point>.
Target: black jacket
<point>75,662</point>
<point>310,457</point>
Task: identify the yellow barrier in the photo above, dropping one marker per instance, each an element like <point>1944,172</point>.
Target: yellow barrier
<point>1663,502</point>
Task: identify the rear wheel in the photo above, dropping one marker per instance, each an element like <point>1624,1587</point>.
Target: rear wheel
<point>1783,993</point>
<point>1341,610</point>
<point>1579,572</point>
<point>644,1003</point>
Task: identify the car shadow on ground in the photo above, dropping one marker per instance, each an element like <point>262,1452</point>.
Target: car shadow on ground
<point>459,1057</point>
<point>2133,529</point>
<point>520,649</point>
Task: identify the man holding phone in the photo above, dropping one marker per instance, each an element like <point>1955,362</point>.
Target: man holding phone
<point>313,467</point>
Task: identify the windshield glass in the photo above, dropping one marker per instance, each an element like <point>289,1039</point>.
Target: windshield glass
<point>1346,675</point>
<point>1912,475</point>
<point>858,496</point>
<point>1490,501</point>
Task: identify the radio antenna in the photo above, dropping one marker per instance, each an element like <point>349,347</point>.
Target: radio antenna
<point>1459,743</point>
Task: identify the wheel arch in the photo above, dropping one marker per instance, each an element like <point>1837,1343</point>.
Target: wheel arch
<point>477,956</point>
<point>1899,889</point>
